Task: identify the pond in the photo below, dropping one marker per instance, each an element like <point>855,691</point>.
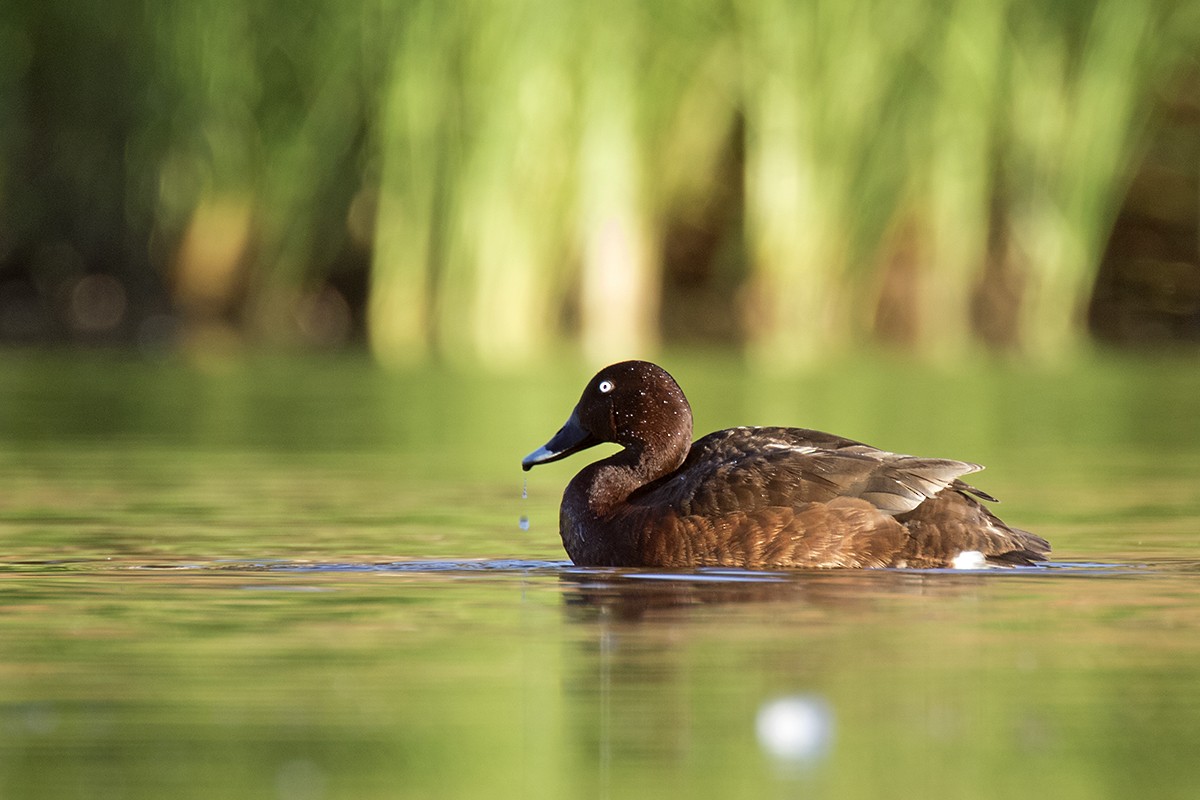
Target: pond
<point>307,579</point>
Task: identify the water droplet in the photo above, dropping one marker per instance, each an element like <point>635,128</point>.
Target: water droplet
<point>524,521</point>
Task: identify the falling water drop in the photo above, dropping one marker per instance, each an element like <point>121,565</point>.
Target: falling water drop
<point>523,522</point>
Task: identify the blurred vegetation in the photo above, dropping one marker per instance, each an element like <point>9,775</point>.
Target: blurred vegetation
<point>483,179</point>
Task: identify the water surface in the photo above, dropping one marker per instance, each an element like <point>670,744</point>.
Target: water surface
<point>306,580</point>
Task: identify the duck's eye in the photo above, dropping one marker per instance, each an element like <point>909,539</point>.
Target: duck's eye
<point>605,387</point>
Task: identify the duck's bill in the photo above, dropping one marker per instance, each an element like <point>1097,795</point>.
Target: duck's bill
<point>571,438</point>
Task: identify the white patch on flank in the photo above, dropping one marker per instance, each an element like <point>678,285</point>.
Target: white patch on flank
<point>969,559</point>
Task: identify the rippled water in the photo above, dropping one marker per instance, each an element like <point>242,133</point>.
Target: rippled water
<point>309,580</point>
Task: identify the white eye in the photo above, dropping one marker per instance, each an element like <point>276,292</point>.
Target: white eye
<point>605,387</point>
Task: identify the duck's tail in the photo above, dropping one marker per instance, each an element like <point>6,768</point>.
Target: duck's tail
<point>954,522</point>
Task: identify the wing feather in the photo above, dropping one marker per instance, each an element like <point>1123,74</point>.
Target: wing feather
<point>753,468</point>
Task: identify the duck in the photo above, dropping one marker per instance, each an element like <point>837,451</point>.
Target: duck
<point>759,497</point>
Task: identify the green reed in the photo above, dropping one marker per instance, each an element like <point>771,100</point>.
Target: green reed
<point>509,168</point>
<point>587,131</point>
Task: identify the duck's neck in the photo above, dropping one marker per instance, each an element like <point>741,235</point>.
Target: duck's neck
<point>591,503</point>
<point>609,482</point>
<point>591,532</point>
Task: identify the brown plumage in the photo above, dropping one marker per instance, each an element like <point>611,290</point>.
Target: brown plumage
<point>757,497</point>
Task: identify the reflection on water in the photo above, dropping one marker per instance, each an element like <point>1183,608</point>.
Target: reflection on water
<point>323,679</point>
<point>796,731</point>
<point>305,583</point>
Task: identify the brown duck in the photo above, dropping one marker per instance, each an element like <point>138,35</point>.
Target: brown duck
<point>758,497</point>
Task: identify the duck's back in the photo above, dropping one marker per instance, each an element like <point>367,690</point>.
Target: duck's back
<point>797,497</point>
<point>749,468</point>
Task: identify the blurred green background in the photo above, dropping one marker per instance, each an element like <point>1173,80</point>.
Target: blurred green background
<point>494,181</point>
<point>301,577</point>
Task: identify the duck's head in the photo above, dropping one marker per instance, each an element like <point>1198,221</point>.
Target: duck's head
<point>635,404</point>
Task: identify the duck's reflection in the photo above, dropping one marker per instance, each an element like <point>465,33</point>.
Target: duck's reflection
<point>649,675</point>
<point>631,595</point>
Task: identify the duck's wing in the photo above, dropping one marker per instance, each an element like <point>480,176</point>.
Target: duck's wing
<point>753,468</point>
